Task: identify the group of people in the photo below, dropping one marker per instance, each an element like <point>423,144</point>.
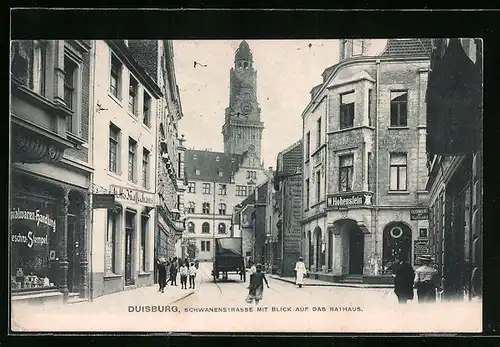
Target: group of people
<point>425,279</point>
<point>173,266</point>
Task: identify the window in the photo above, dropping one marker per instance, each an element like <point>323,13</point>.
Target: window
<point>318,186</point>
<point>241,190</point>
<point>192,187</point>
<point>144,228</point>
<point>318,133</point>
<point>70,70</point>
<point>205,246</point>
<point>132,148</point>
<point>206,188</point>
<point>222,189</point>
<point>346,170</point>
<point>29,64</point>
<point>116,76</point>
<point>111,241</point>
<point>370,100</point>
<point>217,158</point>
<point>114,148</point>
<point>146,110</point>
<point>308,145</point>
<point>132,95</point>
<point>179,165</point>
<point>205,228</point>
<point>369,171</point>
<point>222,208</point>
<point>179,202</point>
<point>221,173</point>
<point>251,188</point>
<point>197,172</point>
<point>206,208</point>
<point>239,135</point>
<point>357,47</point>
<point>145,168</point>
<point>398,171</point>
<point>399,109</point>
<point>347,110</point>
<point>191,207</point>
<point>307,193</point>
<point>222,228</point>
<point>251,174</point>
<point>195,157</point>
<point>191,227</point>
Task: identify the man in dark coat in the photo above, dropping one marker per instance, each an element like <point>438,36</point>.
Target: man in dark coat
<point>173,272</point>
<point>403,280</point>
<point>162,274</point>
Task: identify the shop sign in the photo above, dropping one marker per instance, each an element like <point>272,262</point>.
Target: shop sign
<point>103,201</point>
<point>420,248</point>
<point>139,197</point>
<point>419,214</point>
<point>345,200</point>
<point>29,239</point>
<point>33,216</point>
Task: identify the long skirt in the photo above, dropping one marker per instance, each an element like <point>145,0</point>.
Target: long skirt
<point>300,277</point>
<point>255,294</point>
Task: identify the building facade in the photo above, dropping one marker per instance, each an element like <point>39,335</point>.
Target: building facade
<point>288,203</point>
<point>455,152</point>
<point>218,181</point>
<point>127,102</point>
<point>364,168</point>
<point>50,162</point>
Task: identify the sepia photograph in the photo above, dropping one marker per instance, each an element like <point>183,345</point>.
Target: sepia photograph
<point>246,185</point>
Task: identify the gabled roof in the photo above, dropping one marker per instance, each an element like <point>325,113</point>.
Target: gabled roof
<point>213,166</point>
<point>290,160</point>
<point>407,48</point>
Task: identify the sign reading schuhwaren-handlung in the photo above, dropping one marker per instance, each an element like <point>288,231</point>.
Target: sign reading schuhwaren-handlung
<point>345,200</point>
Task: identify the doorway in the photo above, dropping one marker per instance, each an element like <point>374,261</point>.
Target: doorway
<point>73,277</point>
<point>356,250</point>
<point>129,231</point>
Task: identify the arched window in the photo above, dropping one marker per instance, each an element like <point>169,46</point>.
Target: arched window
<point>222,228</point>
<point>205,228</point>
<point>245,65</point>
<point>191,227</point>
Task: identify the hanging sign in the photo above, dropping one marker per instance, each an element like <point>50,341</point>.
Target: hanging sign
<point>139,197</point>
<point>419,214</point>
<point>103,201</point>
<point>345,200</point>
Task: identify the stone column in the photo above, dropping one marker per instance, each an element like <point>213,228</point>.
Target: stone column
<point>84,264</point>
<point>62,232</point>
<point>338,253</point>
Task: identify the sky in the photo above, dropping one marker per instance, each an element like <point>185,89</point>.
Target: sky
<point>286,72</point>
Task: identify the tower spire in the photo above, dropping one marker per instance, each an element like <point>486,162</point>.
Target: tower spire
<point>243,53</point>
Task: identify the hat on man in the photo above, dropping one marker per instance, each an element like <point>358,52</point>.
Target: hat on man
<point>427,258</point>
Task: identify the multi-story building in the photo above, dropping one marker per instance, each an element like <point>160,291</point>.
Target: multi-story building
<point>157,58</point>
<point>365,160</point>
<point>51,159</point>
<point>288,202</point>
<point>455,148</point>
<point>217,181</point>
<point>126,122</point>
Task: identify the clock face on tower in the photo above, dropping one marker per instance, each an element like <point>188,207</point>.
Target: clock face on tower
<point>246,108</point>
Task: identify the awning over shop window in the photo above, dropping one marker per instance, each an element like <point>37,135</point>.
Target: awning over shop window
<point>454,103</point>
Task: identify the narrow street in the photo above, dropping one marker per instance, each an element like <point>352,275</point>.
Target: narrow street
<point>221,307</point>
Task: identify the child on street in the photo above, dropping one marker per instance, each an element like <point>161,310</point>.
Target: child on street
<point>192,275</point>
<point>256,288</point>
<point>184,274</point>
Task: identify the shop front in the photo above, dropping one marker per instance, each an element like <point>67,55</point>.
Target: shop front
<point>48,250</point>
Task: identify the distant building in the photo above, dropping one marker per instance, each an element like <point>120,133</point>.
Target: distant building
<point>365,160</point>
<point>288,203</point>
<point>455,149</point>
<point>218,181</point>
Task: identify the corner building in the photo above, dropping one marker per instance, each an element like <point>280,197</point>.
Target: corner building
<point>218,181</point>
<point>365,161</point>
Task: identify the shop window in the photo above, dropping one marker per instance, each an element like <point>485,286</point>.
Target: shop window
<point>111,242</point>
<point>34,244</point>
<point>399,108</point>
<point>398,172</point>
<point>205,228</point>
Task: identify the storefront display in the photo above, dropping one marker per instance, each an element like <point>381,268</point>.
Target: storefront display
<point>33,243</point>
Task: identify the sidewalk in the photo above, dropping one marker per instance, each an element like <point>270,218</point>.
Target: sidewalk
<point>28,318</point>
<point>319,283</point>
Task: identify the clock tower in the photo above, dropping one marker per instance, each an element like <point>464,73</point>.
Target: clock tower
<point>242,129</point>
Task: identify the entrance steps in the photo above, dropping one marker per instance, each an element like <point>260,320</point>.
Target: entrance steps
<point>74,298</point>
<point>352,279</point>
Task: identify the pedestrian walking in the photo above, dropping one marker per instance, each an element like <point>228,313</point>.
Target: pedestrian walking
<point>256,288</point>
<point>184,274</point>
<point>251,271</point>
<point>426,278</point>
<point>192,275</point>
<point>173,272</point>
<point>403,279</point>
<point>300,271</point>
<point>162,274</point>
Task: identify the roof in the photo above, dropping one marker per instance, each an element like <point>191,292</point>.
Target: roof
<point>146,54</point>
<point>290,160</point>
<point>359,76</point>
<point>210,165</point>
<point>407,48</point>
<point>262,193</point>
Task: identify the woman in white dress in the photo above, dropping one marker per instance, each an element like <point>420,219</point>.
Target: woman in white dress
<point>300,271</point>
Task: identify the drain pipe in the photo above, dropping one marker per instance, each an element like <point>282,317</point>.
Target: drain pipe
<point>377,155</point>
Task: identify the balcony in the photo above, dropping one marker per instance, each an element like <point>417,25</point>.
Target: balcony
<point>38,126</point>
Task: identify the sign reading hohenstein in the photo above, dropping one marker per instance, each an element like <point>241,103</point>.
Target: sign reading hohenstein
<point>347,200</point>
